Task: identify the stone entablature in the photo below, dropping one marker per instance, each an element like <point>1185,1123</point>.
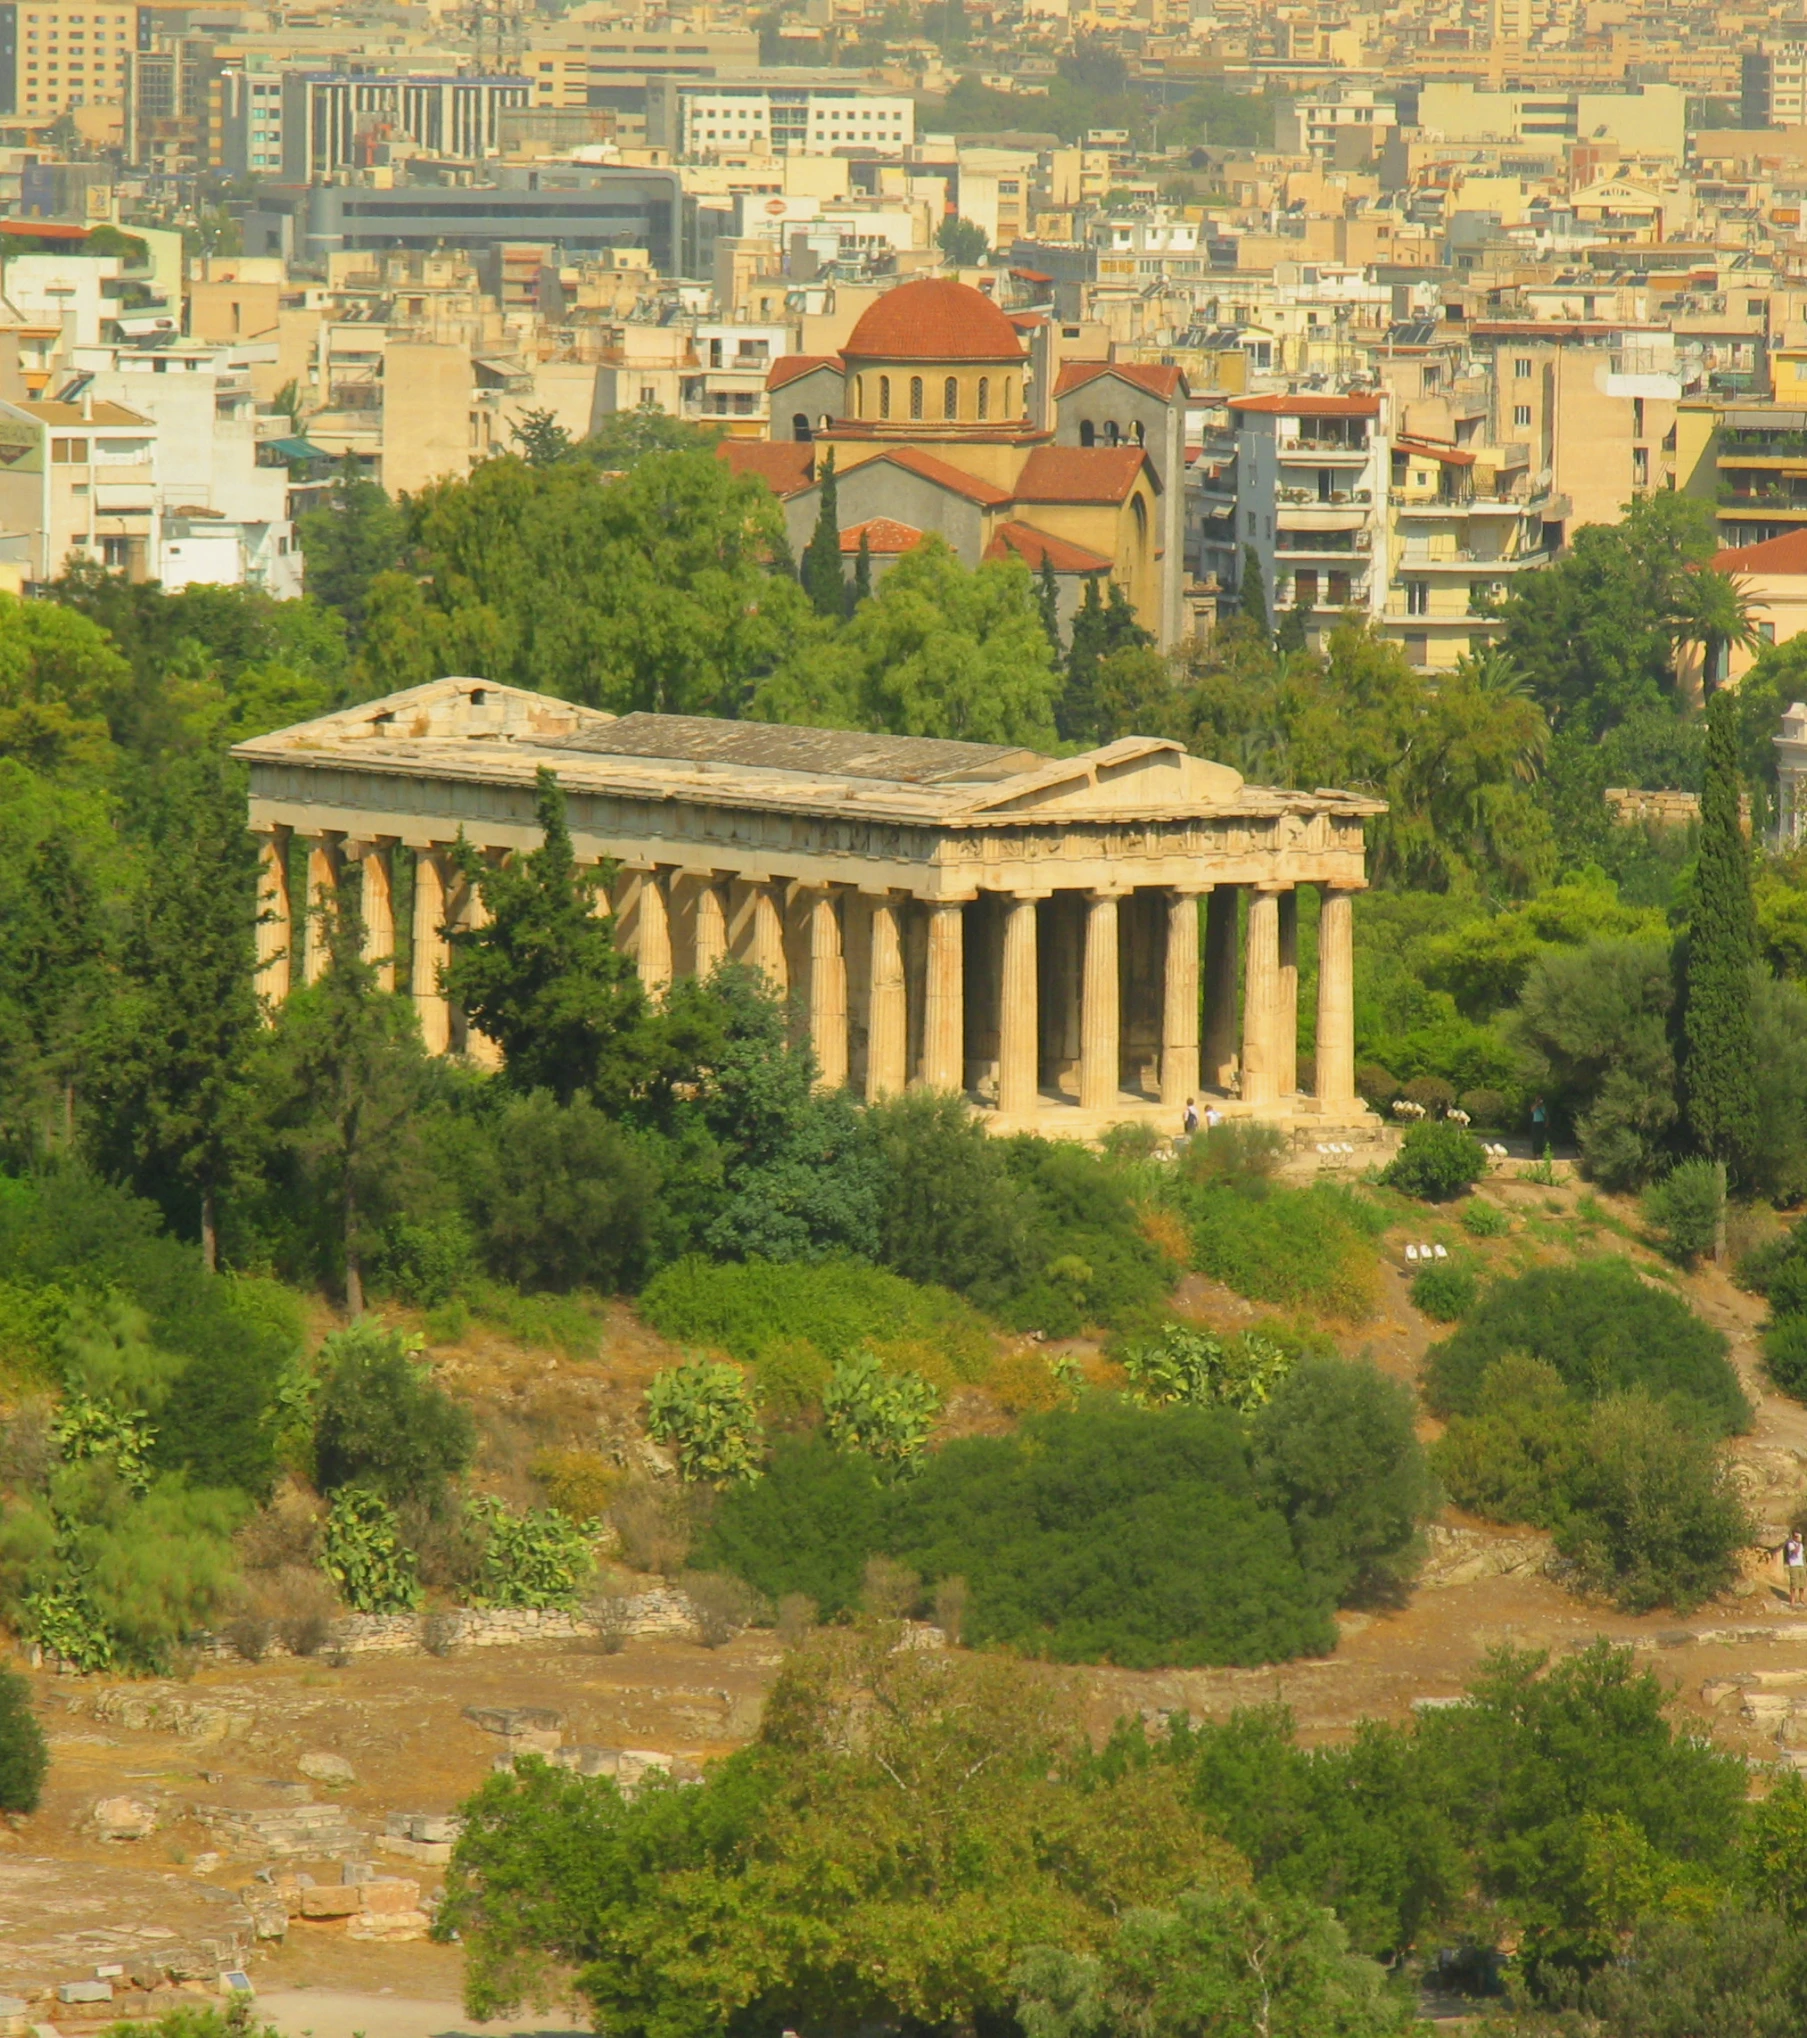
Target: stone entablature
<point>1035,931</point>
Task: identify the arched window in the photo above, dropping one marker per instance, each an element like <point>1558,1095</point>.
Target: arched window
<point>859,396</point>
<point>1088,435</point>
<point>1141,433</point>
<point>984,396</point>
<point>800,428</point>
<point>1139,510</point>
<point>1009,398</point>
<point>916,396</point>
<point>884,396</point>
<point>950,398</point>
<point>1112,436</point>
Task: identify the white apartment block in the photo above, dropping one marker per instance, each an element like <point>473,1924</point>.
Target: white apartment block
<point>70,54</point>
<point>717,118</point>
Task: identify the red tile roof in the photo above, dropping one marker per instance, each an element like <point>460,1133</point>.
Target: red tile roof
<point>1786,554</point>
<point>882,534</point>
<point>788,367</point>
<point>1306,405</point>
<point>935,319</point>
<point>987,494</point>
<point>1428,449</point>
<point>1080,474</point>
<point>1157,380</point>
<point>786,466</point>
<point>1025,542</point>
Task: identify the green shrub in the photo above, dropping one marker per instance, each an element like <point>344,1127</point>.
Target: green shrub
<point>24,1757</point>
<point>1115,1535</point>
<point>837,1306</point>
<point>793,1376</point>
<point>382,1424</point>
<point>1301,1248</point>
<point>806,1528</point>
<point>1436,1160</point>
<point>888,1416</point>
<point>1481,1219</point>
<point>1490,1108</point>
<point>1197,1369</point>
<point>1787,1287</point>
<point>1755,1269</point>
<point>1376,1086</point>
<point>362,1552</point>
<point>1785,1354</point>
<point>1444,1293</point>
<point>1515,1458</point>
<point>536,1559</point>
<point>569,1199</point>
<point>1653,1518</point>
<point>1091,1261</point>
<point>425,1264</point>
<point>704,1410</point>
<point>1687,1208</point>
<point>1603,1329</point>
<point>1235,1153</point>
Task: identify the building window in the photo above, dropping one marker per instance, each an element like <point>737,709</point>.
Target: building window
<point>884,396</point>
<point>69,452</point>
<point>915,396</point>
<point>1088,435</point>
<point>1637,417</point>
<point>1640,466</point>
<point>950,398</point>
<point>800,428</point>
<point>1521,413</point>
<point>648,396</point>
<point>984,396</point>
<point>1522,368</point>
<point>859,396</point>
<point>1417,597</point>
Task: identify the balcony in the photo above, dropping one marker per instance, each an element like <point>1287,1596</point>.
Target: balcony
<point>1324,516</point>
<point>1304,445</point>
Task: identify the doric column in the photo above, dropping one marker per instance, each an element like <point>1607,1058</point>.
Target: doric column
<point>430,950</point>
<point>275,916</point>
<point>887,1011</point>
<point>944,1000</point>
<point>711,927</point>
<point>322,884</point>
<point>1261,1000</point>
<point>652,938</point>
<point>472,912</point>
<point>1220,986</point>
<point>1179,1008</point>
<point>1019,1029</point>
<point>766,947</point>
<point>1286,1019</point>
<point>1336,999</point>
<point>376,905</point>
<point>827,991</point>
<point>1099,1073</point>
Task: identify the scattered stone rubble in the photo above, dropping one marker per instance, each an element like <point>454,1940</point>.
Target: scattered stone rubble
<point>538,1730</point>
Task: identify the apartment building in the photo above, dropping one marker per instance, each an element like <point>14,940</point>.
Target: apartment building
<point>770,114</point>
<point>609,65</point>
<point>332,122</point>
<point>251,122</point>
<point>60,54</point>
<point>1773,84</point>
<point>1651,119</point>
<point>79,481</point>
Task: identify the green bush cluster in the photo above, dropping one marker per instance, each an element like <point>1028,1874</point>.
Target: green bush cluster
<point>1778,1272</point>
<point>1114,1532</point>
<point>1199,1369</point>
<point>1308,1248</point>
<point>1436,1160</point>
<point>1444,1291</point>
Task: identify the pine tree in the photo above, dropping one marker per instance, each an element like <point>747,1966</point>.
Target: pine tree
<point>1047,598</point>
<point>174,1080</point>
<point>1293,632</point>
<point>823,580</point>
<point>1121,630</point>
<point>1719,1065</point>
<point>1076,712</point>
<point>1253,597</point>
<point>53,982</point>
<point>862,572</point>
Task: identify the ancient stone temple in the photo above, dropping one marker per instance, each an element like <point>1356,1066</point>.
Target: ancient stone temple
<point>1070,941</point>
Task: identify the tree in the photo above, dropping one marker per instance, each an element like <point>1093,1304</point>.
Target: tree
<point>1714,611</point>
<point>24,1757</point>
<point>344,1078</point>
<point>1076,715</point>
<point>53,981</point>
<point>1719,1064</point>
<point>963,243</point>
<point>382,1425</point>
<point>626,437</point>
<point>937,651</point>
<point>1294,632</point>
<point>542,439</point>
<point>1047,599</point>
<point>1251,598</point>
<point>862,570</point>
<point>569,1200</point>
<point>353,537</point>
<point>175,1077</point>
<point>542,977</point>
<point>824,580</point>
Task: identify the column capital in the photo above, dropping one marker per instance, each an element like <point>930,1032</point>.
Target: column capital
<point>1351,885</point>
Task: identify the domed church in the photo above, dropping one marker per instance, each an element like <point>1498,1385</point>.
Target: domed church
<point>941,419</point>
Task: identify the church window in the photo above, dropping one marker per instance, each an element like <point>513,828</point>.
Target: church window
<point>884,396</point>
<point>916,396</point>
<point>950,398</point>
<point>984,396</point>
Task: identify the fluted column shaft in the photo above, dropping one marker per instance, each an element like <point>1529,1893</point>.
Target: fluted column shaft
<point>322,883</point>
<point>430,951</point>
<point>827,991</point>
<point>1261,1001</point>
<point>766,948</point>
<point>472,912</point>
<point>652,935</point>
<point>275,917</point>
<point>887,1012</point>
<point>1019,1025</point>
<point>1220,986</point>
<point>944,1000</point>
<point>1099,1073</point>
<point>1286,1018</point>
<point>1336,999</point>
<point>711,928</point>
<point>1179,1006</point>
<point>376,905</point>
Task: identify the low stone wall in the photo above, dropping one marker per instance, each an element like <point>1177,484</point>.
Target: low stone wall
<point>660,1611</point>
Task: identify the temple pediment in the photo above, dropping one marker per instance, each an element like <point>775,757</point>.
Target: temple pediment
<point>1137,774</point>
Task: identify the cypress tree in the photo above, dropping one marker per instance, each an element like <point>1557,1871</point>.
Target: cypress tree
<point>1253,597</point>
<point>1076,712</point>
<point>1719,1054</point>
<point>1047,598</point>
<point>823,580</point>
<point>1121,630</point>
<point>862,572</point>
<point>1292,634</point>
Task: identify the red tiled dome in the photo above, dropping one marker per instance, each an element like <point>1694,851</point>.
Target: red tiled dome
<point>935,320</point>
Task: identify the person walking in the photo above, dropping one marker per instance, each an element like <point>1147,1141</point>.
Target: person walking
<point>1191,1119</point>
<point>1794,1563</point>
